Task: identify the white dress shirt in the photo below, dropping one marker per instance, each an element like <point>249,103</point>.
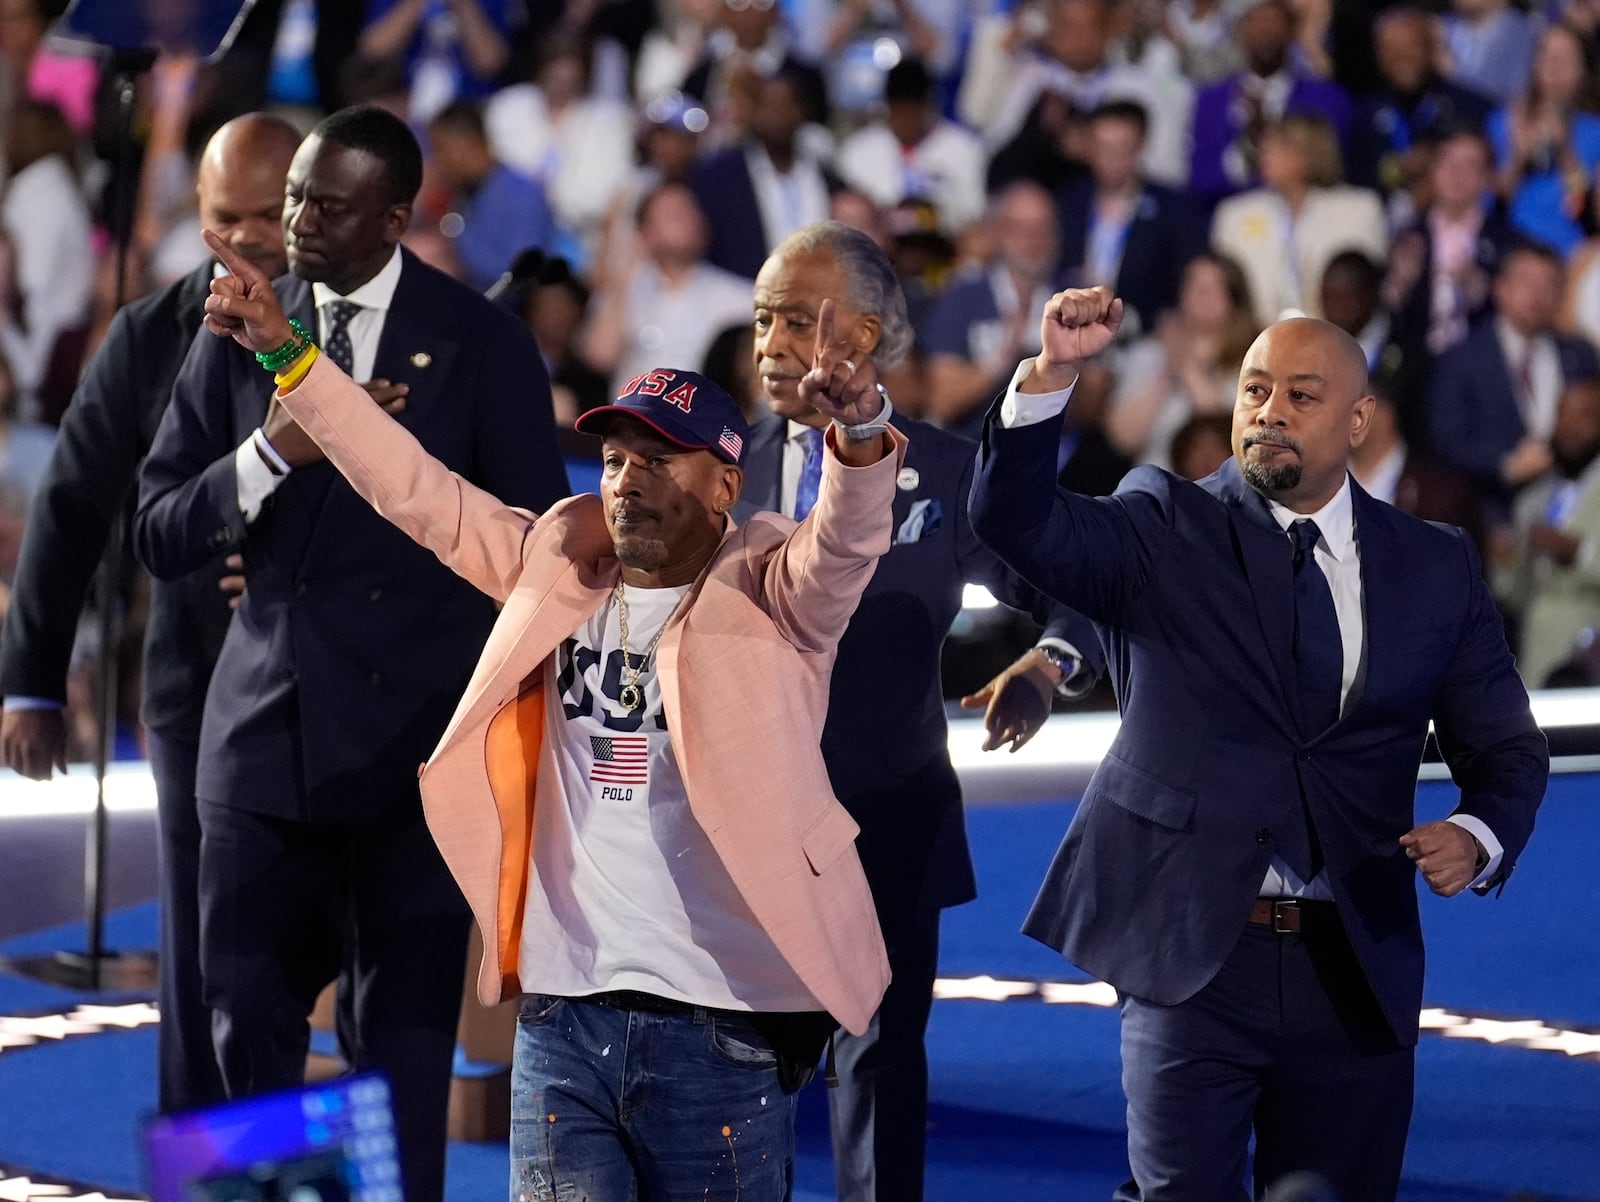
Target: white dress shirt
<point>1338,555</point>
<point>255,481</point>
<point>1539,392</point>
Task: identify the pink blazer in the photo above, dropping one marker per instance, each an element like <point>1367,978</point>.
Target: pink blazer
<point>744,669</point>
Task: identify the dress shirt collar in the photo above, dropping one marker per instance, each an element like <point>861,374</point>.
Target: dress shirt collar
<point>1336,520</point>
<point>377,293</point>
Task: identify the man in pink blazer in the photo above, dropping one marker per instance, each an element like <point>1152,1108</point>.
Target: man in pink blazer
<point>631,793</point>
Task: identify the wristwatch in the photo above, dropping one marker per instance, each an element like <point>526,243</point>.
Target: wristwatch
<point>1067,664</point>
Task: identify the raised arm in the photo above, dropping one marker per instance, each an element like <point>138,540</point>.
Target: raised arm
<point>472,532</point>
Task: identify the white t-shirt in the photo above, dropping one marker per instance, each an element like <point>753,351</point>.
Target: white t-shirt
<point>625,890</point>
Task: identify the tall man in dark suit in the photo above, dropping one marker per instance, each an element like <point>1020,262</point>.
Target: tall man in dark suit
<point>885,741</point>
<point>104,434</point>
<point>1242,865</point>
<point>351,644</point>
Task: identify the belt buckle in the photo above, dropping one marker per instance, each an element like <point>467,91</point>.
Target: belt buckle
<point>1279,910</point>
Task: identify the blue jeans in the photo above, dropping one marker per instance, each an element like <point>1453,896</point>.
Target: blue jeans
<point>619,1105</point>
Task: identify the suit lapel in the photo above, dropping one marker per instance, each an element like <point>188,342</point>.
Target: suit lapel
<point>1265,556</point>
<point>416,346</point>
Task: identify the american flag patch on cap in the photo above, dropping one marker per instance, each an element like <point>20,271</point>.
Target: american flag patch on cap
<point>730,442</point>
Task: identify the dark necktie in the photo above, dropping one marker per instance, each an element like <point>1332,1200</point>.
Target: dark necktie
<point>339,348</point>
<point>805,493</point>
<point>1319,669</point>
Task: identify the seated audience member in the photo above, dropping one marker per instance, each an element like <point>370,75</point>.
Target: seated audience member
<point>912,152</point>
<point>985,322</point>
<point>1492,398</point>
<point>451,50</point>
<point>1285,233</point>
<point>1187,366</point>
<point>552,128</point>
<point>1231,115</point>
<point>1549,574</point>
<point>47,281</point>
<point>1443,262</point>
<point>1489,47</point>
<point>757,192</point>
<point>663,302</point>
<point>554,305</point>
<point>1202,445</point>
<point>746,46</point>
<point>1580,302</point>
<point>1072,63</point>
<point>1119,229</point>
<point>500,211</point>
<point>1411,106</point>
<point>1395,470</point>
<point>1547,142</point>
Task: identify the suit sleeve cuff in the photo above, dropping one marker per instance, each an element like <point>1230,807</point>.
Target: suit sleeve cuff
<point>1030,408</point>
<point>1479,831</point>
<point>1077,682</point>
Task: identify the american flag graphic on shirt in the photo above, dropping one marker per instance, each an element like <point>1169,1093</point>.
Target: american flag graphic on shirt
<point>620,759</point>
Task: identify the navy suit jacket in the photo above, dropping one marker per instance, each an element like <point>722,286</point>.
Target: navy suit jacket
<point>721,184</point>
<point>1191,586</point>
<point>352,644</point>
<point>1161,239</point>
<point>886,741</point>
<point>1473,420</point>
<point>87,492</point>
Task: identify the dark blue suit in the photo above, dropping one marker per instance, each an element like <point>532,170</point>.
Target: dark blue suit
<point>1191,588</point>
<point>886,747</point>
<point>345,659</point>
<point>726,194</point>
<point>86,495</point>
<point>1161,239</point>
<point>1473,419</point>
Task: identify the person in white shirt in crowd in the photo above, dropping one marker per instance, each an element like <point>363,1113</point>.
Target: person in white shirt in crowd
<point>912,153</point>
<point>1285,233</point>
<point>552,128</point>
<point>51,283</point>
<point>662,302</point>
<point>1071,58</point>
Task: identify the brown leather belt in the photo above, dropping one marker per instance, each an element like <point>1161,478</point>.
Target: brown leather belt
<point>1290,915</point>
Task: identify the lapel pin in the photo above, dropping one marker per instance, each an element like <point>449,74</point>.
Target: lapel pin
<point>908,479</point>
<point>421,359</point>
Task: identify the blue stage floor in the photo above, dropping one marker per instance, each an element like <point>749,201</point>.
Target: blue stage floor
<point>1026,1098</point>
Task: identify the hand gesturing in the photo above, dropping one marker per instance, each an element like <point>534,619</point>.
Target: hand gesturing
<point>242,305</point>
<point>837,386</point>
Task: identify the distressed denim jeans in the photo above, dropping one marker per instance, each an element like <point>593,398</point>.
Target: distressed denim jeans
<point>620,1105</point>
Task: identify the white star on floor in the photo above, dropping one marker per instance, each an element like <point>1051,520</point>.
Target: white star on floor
<point>46,1026</point>
<point>983,989</point>
<point>20,1189</point>
<point>136,1014</point>
<point>1492,1030</point>
<point>1573,1043</point>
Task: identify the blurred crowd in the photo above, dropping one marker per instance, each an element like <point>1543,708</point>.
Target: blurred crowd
<point>1426,177</point>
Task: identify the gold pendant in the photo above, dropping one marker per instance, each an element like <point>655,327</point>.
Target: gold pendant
<point>631,697</point>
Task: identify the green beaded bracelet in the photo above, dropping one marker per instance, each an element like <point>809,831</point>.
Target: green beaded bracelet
<point>275,360</point>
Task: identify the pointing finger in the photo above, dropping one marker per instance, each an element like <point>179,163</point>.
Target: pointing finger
<point>237,266</point>
<point>824,336</point>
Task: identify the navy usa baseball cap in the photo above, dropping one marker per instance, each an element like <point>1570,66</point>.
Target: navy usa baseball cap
<point>683,407</point>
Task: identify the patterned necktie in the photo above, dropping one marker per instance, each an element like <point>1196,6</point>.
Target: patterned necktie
<point>339,348</point>
<point>1319,668</point>
<point>805,494</point>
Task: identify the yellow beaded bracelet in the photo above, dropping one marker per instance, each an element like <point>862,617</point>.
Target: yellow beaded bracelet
<point>291,376</point>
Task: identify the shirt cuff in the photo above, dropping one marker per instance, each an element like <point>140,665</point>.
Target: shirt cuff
<point>254,480</point>
<point>15,703</point>
<point>1030,408</point>
<point>1476,828</point>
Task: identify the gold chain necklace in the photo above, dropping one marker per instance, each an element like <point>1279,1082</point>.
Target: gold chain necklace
<point>632,696</point>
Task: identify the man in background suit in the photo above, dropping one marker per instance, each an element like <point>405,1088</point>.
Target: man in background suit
<point>1492,397</point>
<point>885,741</point>
<point>1119,229</point>
<point>351,644</point>
<point>104,434</point>
<point>1249,887</point>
